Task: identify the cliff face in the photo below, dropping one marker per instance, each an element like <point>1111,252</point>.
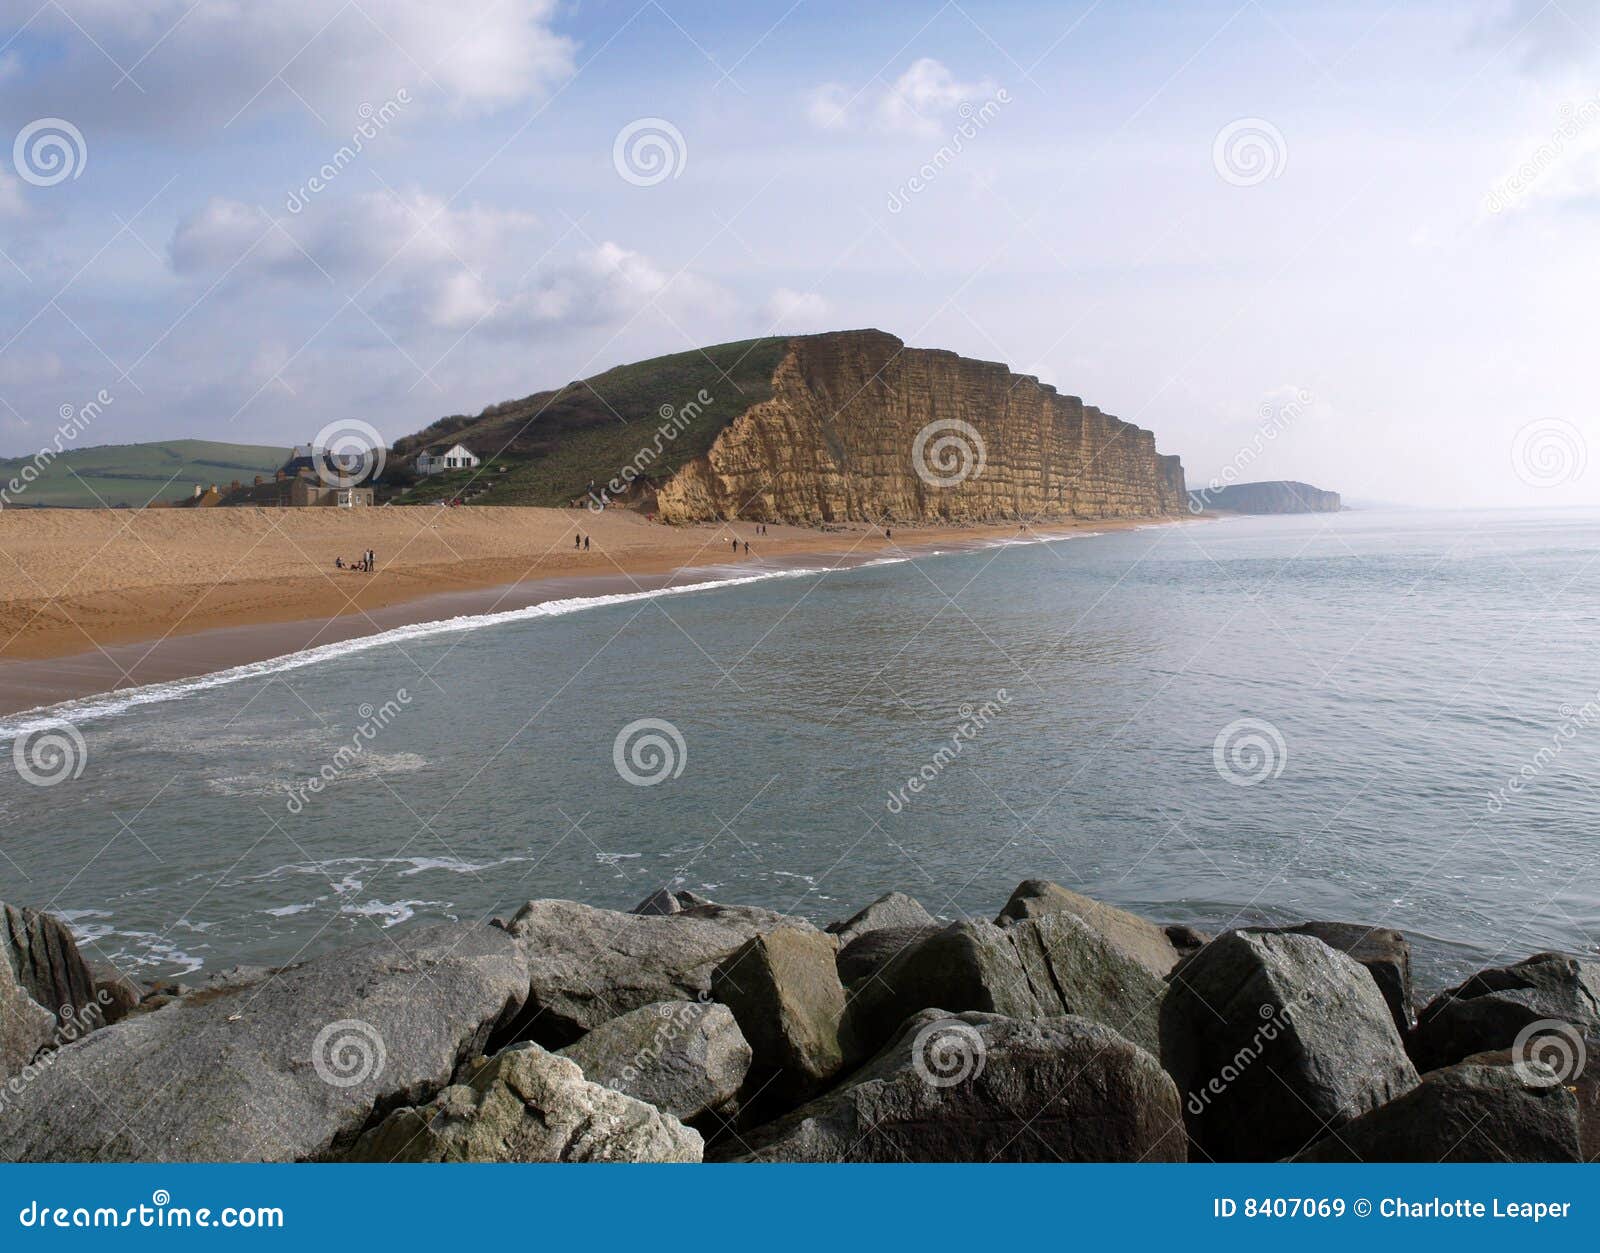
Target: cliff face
<point>859,427</point>
<point>1281,496</point>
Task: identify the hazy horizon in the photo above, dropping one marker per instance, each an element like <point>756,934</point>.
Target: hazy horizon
<point>1339,244</point>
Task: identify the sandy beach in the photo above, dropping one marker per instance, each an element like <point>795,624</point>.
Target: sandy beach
<point>92,600</point>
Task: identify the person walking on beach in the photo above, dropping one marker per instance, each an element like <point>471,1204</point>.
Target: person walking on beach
<point>747,548</point>
<point>585,543</point>
<point>736,546</point>
<point>577,542</point>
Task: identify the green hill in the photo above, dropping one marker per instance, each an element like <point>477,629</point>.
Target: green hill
<point>546,448</point>
<point>136,474</point>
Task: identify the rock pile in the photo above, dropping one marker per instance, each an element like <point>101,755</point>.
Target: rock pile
<point>1063,1030</point>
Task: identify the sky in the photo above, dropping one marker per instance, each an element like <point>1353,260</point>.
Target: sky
<point>1346,243</point>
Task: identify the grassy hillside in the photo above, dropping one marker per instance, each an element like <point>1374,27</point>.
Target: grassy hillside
<point>546,448</point>
<point>135,474</point>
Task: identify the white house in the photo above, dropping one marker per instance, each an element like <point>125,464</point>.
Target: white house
<point>439,459</point>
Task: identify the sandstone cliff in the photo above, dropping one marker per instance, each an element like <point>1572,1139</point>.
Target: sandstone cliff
<point>860,427</point>
<point>1280,496</point>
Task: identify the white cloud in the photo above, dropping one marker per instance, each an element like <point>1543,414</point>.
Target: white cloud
<point>209,61</point>
<point>922,101</point>
<point>11,204</point>
<point>790,310</point>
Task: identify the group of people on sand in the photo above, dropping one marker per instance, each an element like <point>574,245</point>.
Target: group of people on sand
<point>580,541</point>
<point>366,563</point>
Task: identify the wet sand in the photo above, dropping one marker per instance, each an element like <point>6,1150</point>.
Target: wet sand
<point>95,601</point>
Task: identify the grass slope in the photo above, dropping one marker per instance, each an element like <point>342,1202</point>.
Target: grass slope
<point>544,449</point>
<point>134,474</point>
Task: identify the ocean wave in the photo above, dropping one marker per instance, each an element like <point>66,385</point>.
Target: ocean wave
<point>108,704</point>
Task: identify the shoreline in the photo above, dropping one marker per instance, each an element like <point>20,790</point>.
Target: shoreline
<point>110,640</point>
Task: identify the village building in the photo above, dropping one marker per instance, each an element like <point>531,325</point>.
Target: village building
<point>438,459</point>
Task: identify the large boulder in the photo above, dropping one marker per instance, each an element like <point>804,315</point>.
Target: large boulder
<point>1275,1039</point>
<point>527,1105</point>
<point>1040,967</point>
<point>287,1068</point>
<point>687,1058</point>
<point>978,1087</point>
<point>25,1025</point>
<point>664,901</point>
<point>1476,1111</point>
<point>1385,953</point>
<point>868,953</point>
<point>1490,1009</point>
<point>784,990</point>
<point>587,965</point>
<point>892,909</point>
<point>1135,937</point>
<point>45,959</point>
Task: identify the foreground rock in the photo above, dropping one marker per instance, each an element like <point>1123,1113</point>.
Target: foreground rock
<point>1041,967</point>
<point>45,959</point>
<point>784,989</point>
<point>977,1087</point>
<point>587,965</point>
<point>1274,1039</point>
<point>865,955</point>
<point>664,902</point>
<point>892,909</point>
<point>1134,937</point>
<point>687,1058</point>
<point>25,1025</point>
<point>287,1068</point>
<point>527,1105</point>
<point>1478,1111</point>
<point>1385,953</point>
<point>1489,1010</point>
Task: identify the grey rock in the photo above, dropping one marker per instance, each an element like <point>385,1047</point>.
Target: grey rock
<point>285,1069</point>
<point>1135,937</point>
<point>1186,939</point>
<point>783,987</point>
<point>1040,967</point>
<point>587,965</point>
<point>976,1087</point>
<point>1384,952</point>
<point>1475,1111</point>
<point>1274,1039</point>
<point>892,909</point>
<point>866,954</point>
<point>527,1105</point>
<point>1487,1011</point>
<point>687,1058</point>
<point>25,1025</point>
<point>115,993</point>
<point>45,959</point>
